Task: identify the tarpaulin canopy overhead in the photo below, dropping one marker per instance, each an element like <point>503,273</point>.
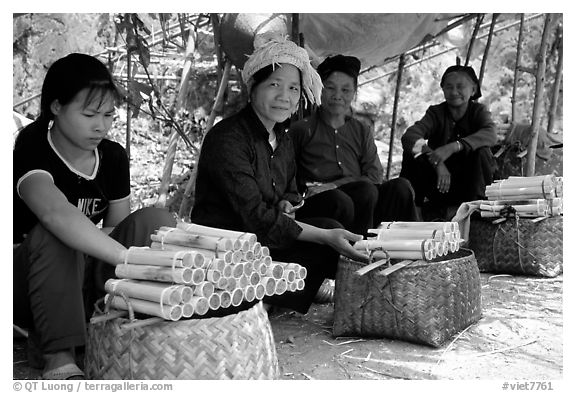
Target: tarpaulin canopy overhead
<point>372,38</point>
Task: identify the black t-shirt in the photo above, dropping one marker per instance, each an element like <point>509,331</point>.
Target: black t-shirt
<point>92,194</point>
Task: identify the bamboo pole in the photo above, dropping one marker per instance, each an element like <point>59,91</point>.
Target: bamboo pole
<point>517,67</point>
<point>225,298</point>
<point>190,240</point>
<point>188,196</point>
<point>398,233</point>
<point>199,305</point>
<point>487,48</point>
<point>401,63</point>
<point>555,89</point>
<point>479,19</point>
<point>537,109</point>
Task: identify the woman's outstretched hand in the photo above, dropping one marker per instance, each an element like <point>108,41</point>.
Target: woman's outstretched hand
<point>339,239</point>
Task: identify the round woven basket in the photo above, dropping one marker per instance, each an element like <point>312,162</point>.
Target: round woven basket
<point>425,302</point>
<point>518,246</point>
<point>237,346</point>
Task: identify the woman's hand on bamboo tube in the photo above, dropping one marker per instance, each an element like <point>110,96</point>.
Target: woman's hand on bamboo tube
<point>339,239</point>
<point>442,178</point>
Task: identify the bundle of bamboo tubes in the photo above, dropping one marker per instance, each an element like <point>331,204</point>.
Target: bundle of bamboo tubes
<point>191,269</point>
<point>532,187</point>
<point>528,197</point>
<point>412,240</point>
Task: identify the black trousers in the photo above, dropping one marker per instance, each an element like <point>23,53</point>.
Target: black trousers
<point>361,205</point>
<point>470,173</point>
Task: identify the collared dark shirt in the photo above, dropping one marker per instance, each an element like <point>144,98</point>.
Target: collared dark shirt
<point>241,179</point>
<point>475,129</point>
<point>326,154</point>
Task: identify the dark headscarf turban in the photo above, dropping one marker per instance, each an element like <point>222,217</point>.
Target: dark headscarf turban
<point>347,64</point>
<point>469,71</point>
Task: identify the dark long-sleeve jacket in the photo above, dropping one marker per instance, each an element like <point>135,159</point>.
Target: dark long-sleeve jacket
<point>326,154</point>
<point>241,179</point>
<point>474,130</point>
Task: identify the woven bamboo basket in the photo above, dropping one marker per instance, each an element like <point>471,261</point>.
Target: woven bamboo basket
<point>236,346</point>
<point>518,246</point>
<point>424,302</point>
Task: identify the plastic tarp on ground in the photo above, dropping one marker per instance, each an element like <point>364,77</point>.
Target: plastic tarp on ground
<point>372,38</point>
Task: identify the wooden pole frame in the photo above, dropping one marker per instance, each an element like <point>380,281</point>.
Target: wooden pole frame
<point>394,114</point>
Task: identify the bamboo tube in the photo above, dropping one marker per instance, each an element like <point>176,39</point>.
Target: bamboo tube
<point>222,283</point>
<point>445,226</point>
<point>216,232</point>
<point>426,256</point>
<point>248,268</point>
<point>275,270</point>
<point>523,181</point>
<point>198,276</point>
<point>227,271</point>
<point>168,312</point>
<point>232,283</point>
<point>395,245</point>
<point>292,286</point>
<point>266,260</point>
<point>506,193</point>
<point>214,301</point>
<point>200,305</point>
<point>260,290</point>
<point>300,284</point>
<point>146,290</point>
<point>454,246</point>
<point>187,310</point>
<point>260,267</point>
<point>191,240</point>
<point>225,299</point>
<point>300,270</point>
<point>269,285</point>
<point>204,289</point>
<point>506,202</point>
<point>217,264</point>
<point>208,254</point>
<point>237,256</point>
<point>521,196</point>
<point>148,256</point>
<point>186,292</point>
<point>155,273</point>
<point>254,278</point>
<point>213,275</point>
<point>248,256</point>
<point>243,245</point>
<point>399,233</point>
<point>289,275</point>
<point>265,251</point>
<point>237,270</point>
<point>237,296</point>
<point>281,286</point>
<point>250,293</point>
<point>257,249</point>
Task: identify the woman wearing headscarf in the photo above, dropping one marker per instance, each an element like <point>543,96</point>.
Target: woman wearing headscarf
<point>338,163</point>
<point>447,155</point>
<point>246,171</point>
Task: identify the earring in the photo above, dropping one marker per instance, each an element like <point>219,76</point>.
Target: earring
<point>50,124</point>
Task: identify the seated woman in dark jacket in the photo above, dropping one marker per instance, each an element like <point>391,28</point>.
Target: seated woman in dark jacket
<point>447,155</point>
<point>246,171</point>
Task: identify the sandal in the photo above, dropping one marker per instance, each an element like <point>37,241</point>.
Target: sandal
<point>67,371</point>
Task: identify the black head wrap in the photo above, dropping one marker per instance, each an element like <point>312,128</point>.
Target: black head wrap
<point>468,71</point>
<point>349,65</point>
